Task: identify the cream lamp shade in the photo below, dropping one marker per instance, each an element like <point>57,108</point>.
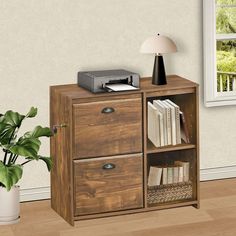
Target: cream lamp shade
<point>159,45</point>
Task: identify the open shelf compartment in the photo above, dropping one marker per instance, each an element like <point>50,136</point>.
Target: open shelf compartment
<point>188,105</point>
<point>172,192</point>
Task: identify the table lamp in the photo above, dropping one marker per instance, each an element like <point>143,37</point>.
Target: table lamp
<point>159,45</point>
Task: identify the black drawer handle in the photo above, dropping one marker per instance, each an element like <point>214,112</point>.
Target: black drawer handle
<point>109,166</point>
<point>108,110</point>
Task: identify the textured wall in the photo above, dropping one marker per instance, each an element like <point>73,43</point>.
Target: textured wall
<point>47,42</point>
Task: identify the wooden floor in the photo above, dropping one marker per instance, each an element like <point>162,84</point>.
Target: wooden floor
<point>216,217</point>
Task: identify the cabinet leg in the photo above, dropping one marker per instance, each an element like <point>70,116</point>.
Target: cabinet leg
<point>197,205</point>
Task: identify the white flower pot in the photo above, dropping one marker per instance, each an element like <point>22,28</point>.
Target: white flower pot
<point>9,205</point>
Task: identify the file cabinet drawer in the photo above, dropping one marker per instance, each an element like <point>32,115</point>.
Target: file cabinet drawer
<point>105,128</point>
<point>108,184</point>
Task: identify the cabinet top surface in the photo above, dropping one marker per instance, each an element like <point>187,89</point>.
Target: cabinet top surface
<point>174,82</point>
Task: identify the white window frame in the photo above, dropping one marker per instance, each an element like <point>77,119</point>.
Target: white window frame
<point>211,96</point>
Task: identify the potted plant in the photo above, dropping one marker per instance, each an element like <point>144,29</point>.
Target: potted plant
<point>17,151</point>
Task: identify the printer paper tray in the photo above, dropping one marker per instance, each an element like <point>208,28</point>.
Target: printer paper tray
<point>120,87</point>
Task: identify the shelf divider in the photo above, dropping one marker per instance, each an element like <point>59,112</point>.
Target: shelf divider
<point>152,149</point>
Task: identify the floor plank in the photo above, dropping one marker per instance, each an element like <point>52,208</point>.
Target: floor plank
<point>216,217</point>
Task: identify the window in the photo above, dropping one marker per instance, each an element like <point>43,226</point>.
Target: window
<point>219,28</point>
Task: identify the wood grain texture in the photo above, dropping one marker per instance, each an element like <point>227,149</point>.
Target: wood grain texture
<point>105,134</point>
<point>174,82</point>
<point>100,190</point>
<point>216,217</point>
<point>91,135</point>
<point>54,180</point>
<point>145,167</point>
<point>152,149</point>
<point>137,210</point>
<point>198,148</point>
<point>61,182</point>
<point>188,101</point>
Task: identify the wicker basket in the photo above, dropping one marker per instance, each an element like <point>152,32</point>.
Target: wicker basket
<point>169,192</point>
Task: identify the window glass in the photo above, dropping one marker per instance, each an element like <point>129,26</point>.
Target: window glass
<point>219,17</point>
<point>225,16</point>
<point>226,46</point>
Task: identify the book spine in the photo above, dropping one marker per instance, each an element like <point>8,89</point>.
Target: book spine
<point>153,125</point>
<point>164,176</point>
<point>177,121</point>
<point>181,174</point>
<point>173,125</point>
<point>159,174</point>
<point>170,175</point>
<point>176,174</point>
<point>157,128</point>
<point>168,126</point>
<point>186,167</point>
<point>161,109</point>
<point>186,171</point>
<point>165,130</point>
<point>171,109</point>
<point>178,134</point>
<point>162,141</point>
<point>152,177</point>
<point>150,123</point>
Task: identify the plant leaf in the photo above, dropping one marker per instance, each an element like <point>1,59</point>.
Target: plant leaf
<point>39,131</point>
<point>5,133</point>
<point>32,113</point>
<point>27,147</point>
<point>48,161</point>
<point>10,175</point>
<point>13,119</point>
<point>9,123</point>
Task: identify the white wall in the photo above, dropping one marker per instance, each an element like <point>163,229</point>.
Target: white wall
<point>47,42</point>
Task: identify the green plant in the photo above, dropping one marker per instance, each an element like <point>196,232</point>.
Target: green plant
<point>225,16</point>
<point>226,61</point>
<point>19,151</point>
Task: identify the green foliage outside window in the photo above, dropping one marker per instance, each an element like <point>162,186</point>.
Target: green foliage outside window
<point>225,16</point>
<point>226,49</point>
<point>226,61</point>
<point>225,2</point>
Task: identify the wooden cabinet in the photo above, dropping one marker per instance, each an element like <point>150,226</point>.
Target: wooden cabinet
<point>101,153</point>
<point>108,184</point>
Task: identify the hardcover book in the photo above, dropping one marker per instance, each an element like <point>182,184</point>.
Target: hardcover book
<point>154,177</point>
<point>186,166</point>
<point>161,109</point>
<point>170,175</point>
<point>178,134</point>
<point>153,125</point>
<point>172,121</point>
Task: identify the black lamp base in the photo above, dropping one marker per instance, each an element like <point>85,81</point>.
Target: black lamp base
<point>159,74</point>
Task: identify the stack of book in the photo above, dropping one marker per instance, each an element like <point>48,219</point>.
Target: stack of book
<point>166,123</point>
<point>177,173</point>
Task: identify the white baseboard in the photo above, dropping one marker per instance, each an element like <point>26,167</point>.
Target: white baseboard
<point>33,194</point>
<point>41,193</point>
<point>218,173</point>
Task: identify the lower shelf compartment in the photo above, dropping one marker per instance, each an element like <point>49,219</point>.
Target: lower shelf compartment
<point>169,193</point>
